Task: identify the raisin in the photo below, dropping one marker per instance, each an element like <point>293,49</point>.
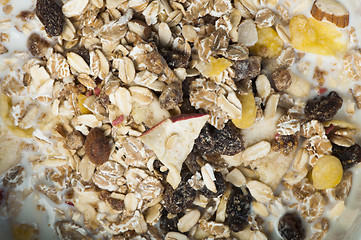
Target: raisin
<point>281,79</point>
<point>179,199</point>
<point>168,224</point>
<point>349,156</point>
<point>191,163</point>
<point>248,68</point>
<point>220,186</point>
<point>285,143</point>
<point>69,230</point>
<point>172,95</point>
<point>323,108</point>
<point>227,141</point>
<point>290,227</point>
<point>83,52</point>
<point>97,146</point>
<point>14,177</point>
<point>51,16</point>
<point>174,59</point>
<point>37,45</point>
<point>238,209</point>
<point>74,140</point>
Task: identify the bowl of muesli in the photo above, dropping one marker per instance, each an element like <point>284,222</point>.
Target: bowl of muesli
<point>180,119</point>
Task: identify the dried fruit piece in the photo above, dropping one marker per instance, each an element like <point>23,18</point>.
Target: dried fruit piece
<point>37,45</point>
<point>324,108</point>
<point>290,227</point>
<point>179,199</point>
<point>215,66</point>
<point>97,146</point>
<point>327,172</point>
<point>238,209</point>
<point>332,10</point>
<point>171,96</point>
<point>51,16</point>
<point>227,141</point>
<point>249,111</point>
<point>247,69</point>
<point>312,36</point>
<point>168,223</point>
<point>349,156</point>
<point>82,108</point>
<point>174,59</point>
<point>220,186</point>
<point>281,79</point>
<point>269,44</point>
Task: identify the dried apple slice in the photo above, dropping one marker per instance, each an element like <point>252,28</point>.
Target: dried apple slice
<point>172,140</point>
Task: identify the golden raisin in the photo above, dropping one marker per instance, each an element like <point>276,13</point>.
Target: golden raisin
<point>310,35</point>
<point>269,44</point>
<point>216,66</point>
<point>327,172</point>
<point>249,111</point>
<point>82,108</point>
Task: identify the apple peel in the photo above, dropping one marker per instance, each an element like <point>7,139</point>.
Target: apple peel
<point>172,140</point>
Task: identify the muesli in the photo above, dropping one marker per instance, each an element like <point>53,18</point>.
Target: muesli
<point>174,119</point>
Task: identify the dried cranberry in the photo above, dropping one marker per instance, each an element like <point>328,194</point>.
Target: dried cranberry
<point>323,108</point>
<point>51,16</point>
<point>349,156</point>
<point>220,186</point>
<point>227,141</point>
<point>290,227</point>
<point>238,209</point>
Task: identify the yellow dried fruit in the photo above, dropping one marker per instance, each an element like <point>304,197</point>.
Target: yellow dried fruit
<point>23,232</point>
<point>327,172</point>
<point>82,108</point>
<point>249,111</point>
<point>5,105</point>
<point>310,35</point>
<point>269,44</point>
<point>216,66</point>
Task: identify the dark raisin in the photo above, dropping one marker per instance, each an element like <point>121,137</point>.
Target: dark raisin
<point>323,108</point>
<point>179,199</point>
<point>285,143</point>
<point>69,230</point>
<point>238,209</point>
<point>97,146</point>
<point>168,224</point>
<point>227,141</point>
<point>37,45</point>
<point>290,227</point>
<point>171,96</point>
<point>51,16</point>
<point>248,68</point>
<point>14,177</point>
<point>74,140</point>
<point>187,107</point>
<point>220,186</point>
<point>281,79</point>
<point>83,52</point>
<point>349,156</point>
<point>191,163</point>
<point>174,59</point>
